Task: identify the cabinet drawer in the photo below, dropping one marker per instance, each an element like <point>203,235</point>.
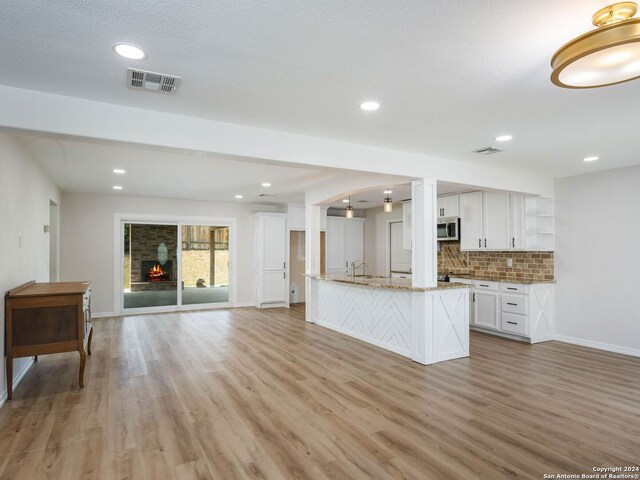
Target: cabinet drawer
<point>514,303</point>
<point>515,288</point>
<point>514,324</point>
<point>482,285</point>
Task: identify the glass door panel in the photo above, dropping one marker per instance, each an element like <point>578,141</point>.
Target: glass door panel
<point>150,265</point>
<point>205,264</point>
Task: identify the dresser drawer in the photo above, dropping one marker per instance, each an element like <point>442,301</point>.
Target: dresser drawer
<point>515,288</point>
<point>514,323</point>
<point>514,304</point>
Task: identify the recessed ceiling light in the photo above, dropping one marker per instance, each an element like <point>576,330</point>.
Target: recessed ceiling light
<point>590,159</point>
<point>387,192</point>
<point>346,200</point>
<point>119,171</point>
<point>238,196</point>
<point>117,187</point>
<point>266,184</point>
<point>503,138</point>
<point>370,106</point>
<point>129,51</point>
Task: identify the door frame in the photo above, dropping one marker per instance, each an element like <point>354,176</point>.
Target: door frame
<point>120,219</point>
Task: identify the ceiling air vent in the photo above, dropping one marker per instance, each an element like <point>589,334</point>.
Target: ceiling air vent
<point>267,195</point>
<point>487,150</point>
<point>155,82</point>
<point>363,201</point>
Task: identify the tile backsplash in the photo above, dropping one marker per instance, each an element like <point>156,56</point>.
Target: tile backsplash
<point>533,265</point>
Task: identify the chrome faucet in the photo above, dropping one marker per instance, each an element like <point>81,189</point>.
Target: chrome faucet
<point>354,266</point>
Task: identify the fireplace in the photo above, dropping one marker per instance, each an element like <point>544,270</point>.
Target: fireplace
<point>152,271</point>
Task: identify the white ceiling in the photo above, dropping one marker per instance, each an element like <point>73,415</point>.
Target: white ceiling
<point>450,75</point>
<point>87,167</point>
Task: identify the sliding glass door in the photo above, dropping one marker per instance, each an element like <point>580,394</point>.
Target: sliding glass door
<point>170,265</point>
<point>150,273</point>
<point>205,264</point>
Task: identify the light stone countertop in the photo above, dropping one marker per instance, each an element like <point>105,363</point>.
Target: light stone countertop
<point>385,282</point>
<point>489,278</point>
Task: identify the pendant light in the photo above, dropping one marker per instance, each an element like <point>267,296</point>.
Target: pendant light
<point>388,204</point>
<point>605,56</point>
<point>349,209</point>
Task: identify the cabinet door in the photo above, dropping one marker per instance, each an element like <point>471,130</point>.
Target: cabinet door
<point>516,221</point>
<point>485,309</point>
<point>297,216</point>
<point>406,224</point>
<point>335,249</point>
<point>471,221</point>
<point>495,213</point>
<point>354,240</point>
<point>440,207</point>
<point>274,242</point>
<point>450,206</point>
<point>273,287</point>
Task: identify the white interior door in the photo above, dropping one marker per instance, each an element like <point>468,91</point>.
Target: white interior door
<point>274,254</point>
<point>400,260</point>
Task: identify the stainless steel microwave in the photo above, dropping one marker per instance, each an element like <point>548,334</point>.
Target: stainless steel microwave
<point>448,229</point>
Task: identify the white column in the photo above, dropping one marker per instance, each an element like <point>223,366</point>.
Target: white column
<point>424,238</point>
<point>312,258</point>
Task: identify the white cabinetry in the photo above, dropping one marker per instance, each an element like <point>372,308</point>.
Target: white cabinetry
<point>516,221</point>
<point>448,206</point>
<point>538,212</point>
<point>495,218</point>
<point>407,221</point>
<point>297,213</point>
<point>271,259</point>
<point>471,221</point>
<point>486,306</point>
<point>514,310</point>
<point>345,243</point>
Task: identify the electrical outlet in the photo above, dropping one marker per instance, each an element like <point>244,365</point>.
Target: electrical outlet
<point>509,262</point>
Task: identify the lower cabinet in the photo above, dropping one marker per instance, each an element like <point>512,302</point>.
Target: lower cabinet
<point>485,309</point>
<point>511,309</point>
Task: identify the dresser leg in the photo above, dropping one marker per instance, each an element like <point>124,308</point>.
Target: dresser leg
<point>9,377</point>
<point>83,361</point>
<point>89,342</point>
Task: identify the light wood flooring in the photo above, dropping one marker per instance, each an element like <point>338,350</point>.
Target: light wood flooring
<point>252,393</point>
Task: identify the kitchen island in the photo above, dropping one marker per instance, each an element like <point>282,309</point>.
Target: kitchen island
<point>428,325</point>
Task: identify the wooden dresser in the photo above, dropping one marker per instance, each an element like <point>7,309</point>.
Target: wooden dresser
<point>46,318</point>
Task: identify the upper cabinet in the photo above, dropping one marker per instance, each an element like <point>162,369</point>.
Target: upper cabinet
<point>345,243</point>
<point>296,215</point>
<point>448,206</point>
<point>502,221</point>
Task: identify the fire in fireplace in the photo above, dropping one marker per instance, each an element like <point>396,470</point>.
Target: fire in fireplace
<point>152,271</point>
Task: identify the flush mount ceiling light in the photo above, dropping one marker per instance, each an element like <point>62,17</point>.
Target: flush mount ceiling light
<point>349,209</point>
<point>369,106</point>
<point>503,138</point>
<point>119,171</point>
<point>129,51</point>
<point>590,159</point>
<point>388,204</point>
<point>117,187</point>
<point>266,184</point>
<point>345,201</point>
<point>387,192</point>
<point>605,56</point>
<point>238,196</point>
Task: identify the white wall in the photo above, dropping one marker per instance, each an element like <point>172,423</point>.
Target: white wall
<point>25,193</point>
<point>597,263</point>
<point>376,231</point>
<point>87,237</point>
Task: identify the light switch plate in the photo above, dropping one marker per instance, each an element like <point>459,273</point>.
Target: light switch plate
<point>509,262</point>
